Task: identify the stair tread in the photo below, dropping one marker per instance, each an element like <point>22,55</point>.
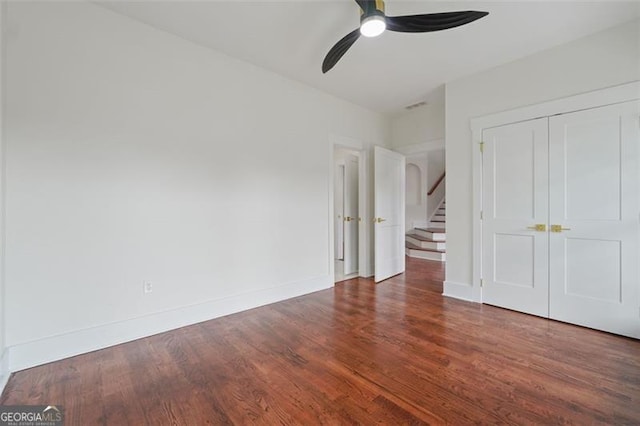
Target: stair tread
<point>432,230</point>
<point>415,247</point>
<point>421,238</point>
<point>437,220</point>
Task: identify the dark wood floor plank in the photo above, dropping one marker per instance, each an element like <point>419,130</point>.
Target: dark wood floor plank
<point>396,352</point>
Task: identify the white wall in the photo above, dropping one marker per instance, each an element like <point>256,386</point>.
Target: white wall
<point>436,166</point>
<point>3,364</point>
<point>430,162</point>
<point>135,155</point>
<point>416,133</point>
<point>416,213</point>
<point>601,60</point>
<point>418,125</point>
<point>414,186</point>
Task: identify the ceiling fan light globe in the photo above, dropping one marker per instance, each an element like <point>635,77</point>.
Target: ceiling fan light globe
<point>373,26</point>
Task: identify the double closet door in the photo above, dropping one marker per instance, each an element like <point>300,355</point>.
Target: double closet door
<point>561,217</point>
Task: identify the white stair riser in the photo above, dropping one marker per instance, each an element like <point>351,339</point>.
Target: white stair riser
<point>441,225</point>
<point>429,255</point>
<point>436,236</point>
<point>433,245</point>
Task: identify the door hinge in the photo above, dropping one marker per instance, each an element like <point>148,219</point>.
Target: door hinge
<point>481,282</point>
<point>481,215</point>
<point>481,146</point>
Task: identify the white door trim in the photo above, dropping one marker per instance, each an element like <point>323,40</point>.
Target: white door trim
<point>598,98</point>
<point>338,204</point>
<point>351,184</point>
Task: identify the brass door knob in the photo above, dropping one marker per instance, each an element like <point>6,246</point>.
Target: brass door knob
<point>378,220</point>
<point>559,228</point>
<point>539,227</point>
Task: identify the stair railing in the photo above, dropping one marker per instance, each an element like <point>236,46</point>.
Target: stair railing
<point>435,185</point>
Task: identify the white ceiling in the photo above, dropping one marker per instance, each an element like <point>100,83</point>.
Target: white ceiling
<point>385,73</point>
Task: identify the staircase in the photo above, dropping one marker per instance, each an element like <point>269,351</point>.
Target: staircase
<point>429,243</point>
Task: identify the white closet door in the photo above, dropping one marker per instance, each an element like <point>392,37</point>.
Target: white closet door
<point>515,199</point>
<point>594,193</point>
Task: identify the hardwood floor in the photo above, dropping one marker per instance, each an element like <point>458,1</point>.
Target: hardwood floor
<point>393,353</point>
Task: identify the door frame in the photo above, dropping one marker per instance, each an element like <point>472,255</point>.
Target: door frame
<point>351,160</point>
<point>364,264</point>
<point>338,180</point>
<point>594,99</point>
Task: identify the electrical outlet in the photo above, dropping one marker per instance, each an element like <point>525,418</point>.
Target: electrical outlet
<point>147,287</point>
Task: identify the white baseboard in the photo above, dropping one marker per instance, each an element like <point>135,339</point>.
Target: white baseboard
<point>457,290</point>
<point>4,370</point>
<point>55,348</point>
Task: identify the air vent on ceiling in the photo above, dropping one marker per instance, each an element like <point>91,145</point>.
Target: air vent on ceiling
<point>416,105</point>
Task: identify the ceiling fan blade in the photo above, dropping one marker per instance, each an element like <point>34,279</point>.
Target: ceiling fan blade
<point>339,49</point>
<point>432,21</point>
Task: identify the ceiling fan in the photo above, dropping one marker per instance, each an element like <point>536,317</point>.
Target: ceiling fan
<point>373,22</point>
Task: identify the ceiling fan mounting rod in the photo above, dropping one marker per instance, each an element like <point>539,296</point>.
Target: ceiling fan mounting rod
<point>371,8</point>
<point>373,21</point>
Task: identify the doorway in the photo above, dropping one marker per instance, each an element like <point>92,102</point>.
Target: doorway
<point>346,215</point>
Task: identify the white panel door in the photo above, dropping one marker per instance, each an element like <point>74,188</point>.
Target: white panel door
<point>594,193</point>
<point>389,196</point>
<point>351,215</point>
<point>515,197</point>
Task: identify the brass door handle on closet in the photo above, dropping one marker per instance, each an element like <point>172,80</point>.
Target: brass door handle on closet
<point>378,220</point>
<point>559,228</point>
<point>348,218</point>
<point>539,227</point>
